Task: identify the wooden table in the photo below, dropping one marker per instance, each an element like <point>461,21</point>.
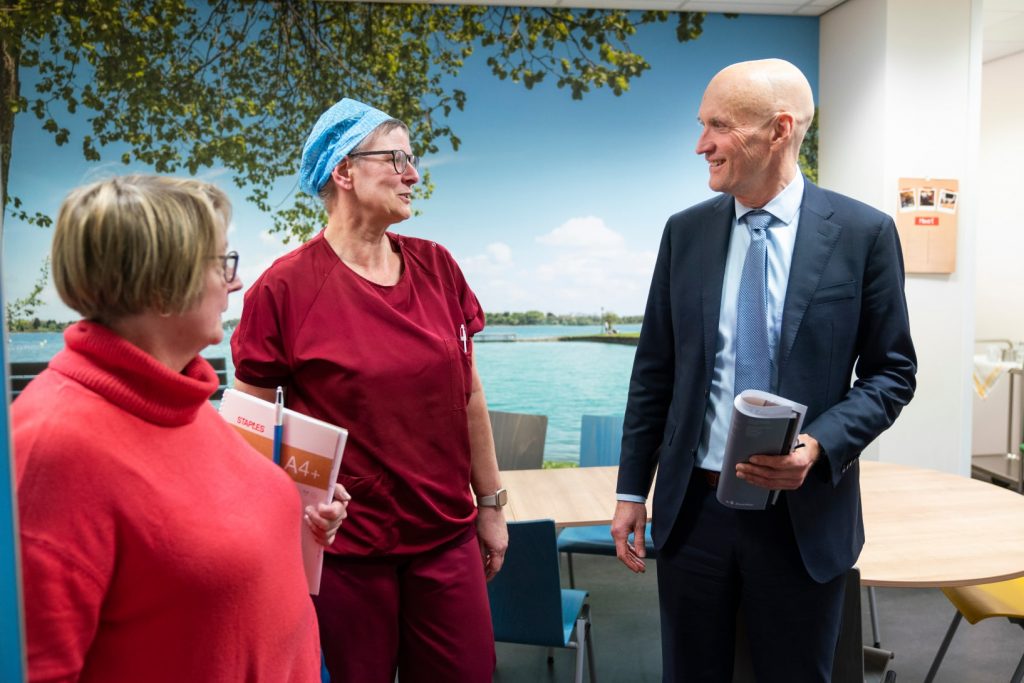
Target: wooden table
<point>928,529</point>
<point>572,496</point>
<point>925,529</point>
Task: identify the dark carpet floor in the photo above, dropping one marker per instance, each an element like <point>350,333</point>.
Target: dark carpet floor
<point>627,650</point>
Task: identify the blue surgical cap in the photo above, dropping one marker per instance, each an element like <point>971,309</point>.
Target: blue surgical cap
<point>335,134</point>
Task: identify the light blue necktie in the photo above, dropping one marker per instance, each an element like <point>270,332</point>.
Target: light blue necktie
<point>753,355</point>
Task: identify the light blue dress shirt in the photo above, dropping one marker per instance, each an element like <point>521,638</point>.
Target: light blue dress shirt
<point>781,239</point>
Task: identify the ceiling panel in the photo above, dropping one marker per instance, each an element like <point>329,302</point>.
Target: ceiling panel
<point>1005,5</point>
<point>1004,28</point>
<point>752,7</point>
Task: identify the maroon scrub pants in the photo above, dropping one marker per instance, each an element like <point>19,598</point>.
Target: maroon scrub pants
<point>426,616</point>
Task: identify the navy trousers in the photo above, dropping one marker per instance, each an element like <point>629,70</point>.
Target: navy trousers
<point>719,562</point>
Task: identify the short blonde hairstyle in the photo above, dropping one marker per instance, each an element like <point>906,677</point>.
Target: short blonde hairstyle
<point>135,243</point>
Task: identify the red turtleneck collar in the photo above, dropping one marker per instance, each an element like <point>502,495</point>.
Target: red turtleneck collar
<point>131,379</point>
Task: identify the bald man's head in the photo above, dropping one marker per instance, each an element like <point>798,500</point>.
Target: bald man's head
<point>755,116</point>
<point>766,87</point>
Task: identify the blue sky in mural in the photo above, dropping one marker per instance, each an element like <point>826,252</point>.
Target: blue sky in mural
<point>549,204</point>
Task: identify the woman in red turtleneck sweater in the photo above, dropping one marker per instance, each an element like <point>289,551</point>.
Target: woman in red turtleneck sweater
<point>156,545</point>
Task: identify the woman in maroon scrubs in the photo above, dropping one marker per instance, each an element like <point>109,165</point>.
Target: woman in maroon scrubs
<point>373,331</point>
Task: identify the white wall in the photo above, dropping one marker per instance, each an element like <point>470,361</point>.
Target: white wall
<point>999,293</point>
<point>851,99</point>
<point>898,97</point>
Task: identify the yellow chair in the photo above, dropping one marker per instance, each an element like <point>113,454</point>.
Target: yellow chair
<point>1001,599</point>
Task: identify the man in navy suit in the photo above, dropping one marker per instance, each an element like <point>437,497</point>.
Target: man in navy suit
<point>833,307</point>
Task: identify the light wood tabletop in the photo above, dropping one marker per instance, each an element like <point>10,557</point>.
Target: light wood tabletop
<point>924,528</point>
<point>929,529</point>
<point>572,496</point>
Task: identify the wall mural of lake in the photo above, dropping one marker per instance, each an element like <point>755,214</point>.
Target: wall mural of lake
<point>563,380</point>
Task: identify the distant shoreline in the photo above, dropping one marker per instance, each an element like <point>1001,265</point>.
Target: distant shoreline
<point>624,338</point>
<point>496,320</point>
<point>60,327</point>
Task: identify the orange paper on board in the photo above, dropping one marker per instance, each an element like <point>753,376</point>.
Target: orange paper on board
<point>926,218</point>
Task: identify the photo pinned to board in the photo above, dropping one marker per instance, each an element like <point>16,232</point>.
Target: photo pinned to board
<point>947,201</point>
<point>908,199</point>
<point>926,199</point>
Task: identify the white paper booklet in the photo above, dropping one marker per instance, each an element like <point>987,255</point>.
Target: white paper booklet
<point>762,423</point>
<point>311,453</point>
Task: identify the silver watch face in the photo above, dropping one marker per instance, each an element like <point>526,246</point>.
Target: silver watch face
<point>498,500</point>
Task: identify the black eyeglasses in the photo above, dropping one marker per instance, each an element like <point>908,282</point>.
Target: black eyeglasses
<point>229,265</point>
<point>399,159</point>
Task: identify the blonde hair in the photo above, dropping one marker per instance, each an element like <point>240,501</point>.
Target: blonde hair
<point>135,243</point>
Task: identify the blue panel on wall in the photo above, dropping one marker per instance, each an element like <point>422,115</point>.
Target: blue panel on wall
<point>12,663</point>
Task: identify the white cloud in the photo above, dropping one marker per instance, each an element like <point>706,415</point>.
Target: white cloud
<point>579,267</point>
<point>586,232</point>
<point>584,282</point>
<point>497,258</point>
<point>499,253</point>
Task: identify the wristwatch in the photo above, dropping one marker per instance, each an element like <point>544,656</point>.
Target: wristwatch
<point>498,500</point>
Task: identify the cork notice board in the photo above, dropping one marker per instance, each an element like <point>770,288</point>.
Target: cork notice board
<point>926,220</point>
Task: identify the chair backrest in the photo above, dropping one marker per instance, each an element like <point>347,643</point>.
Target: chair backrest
<point>600,440</point>
<point>848,664</point>
<point>24,372</point>
<point>850,655</point>
<point>220,366</point>
<point>519,439</point>
<point>526,595</point>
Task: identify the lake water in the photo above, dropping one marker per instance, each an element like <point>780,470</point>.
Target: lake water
<point>563,380</point>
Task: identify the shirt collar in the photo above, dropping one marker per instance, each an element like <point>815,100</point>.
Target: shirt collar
<point>784,206</point>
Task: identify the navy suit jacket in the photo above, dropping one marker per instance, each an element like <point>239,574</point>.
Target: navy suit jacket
<point>845,312</point>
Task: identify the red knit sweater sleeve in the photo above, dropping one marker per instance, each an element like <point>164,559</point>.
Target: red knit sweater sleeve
<point>62,609</point>
<point>66,559</point>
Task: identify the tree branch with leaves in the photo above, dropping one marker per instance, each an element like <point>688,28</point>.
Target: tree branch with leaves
<point>192,85</point>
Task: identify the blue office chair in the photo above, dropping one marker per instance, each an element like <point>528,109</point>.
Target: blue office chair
<point>600,445</point>
<point>528,604</point>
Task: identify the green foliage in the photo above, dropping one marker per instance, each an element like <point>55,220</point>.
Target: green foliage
<point>36,325</point>
<point>21,312</point>
<point>191,86</point>
<point>809,151</point>
<point>558,464</point>
<point>36,218</point>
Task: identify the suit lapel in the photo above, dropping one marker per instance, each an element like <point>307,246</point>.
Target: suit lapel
<point>816,237</point>
<point>714,249</point>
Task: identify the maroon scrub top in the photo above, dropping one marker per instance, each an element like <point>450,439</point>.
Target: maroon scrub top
<point>392,364</point>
